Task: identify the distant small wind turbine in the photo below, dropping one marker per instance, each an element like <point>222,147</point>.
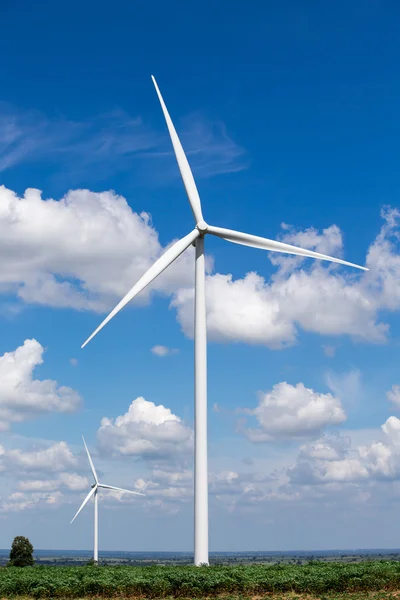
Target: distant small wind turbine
<point>93,492</point>
<point>196,237</point>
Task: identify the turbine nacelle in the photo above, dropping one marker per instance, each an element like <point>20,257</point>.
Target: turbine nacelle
<point>202,227</point>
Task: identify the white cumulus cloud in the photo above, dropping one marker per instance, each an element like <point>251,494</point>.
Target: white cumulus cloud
<point>333,460</point>
<point>304,294</point>
<point>23,397</point>
<point>147,430</point>
<point>294,411</point>
<point>84,251</point>
<point>55,458</point>
<point>113,246</point>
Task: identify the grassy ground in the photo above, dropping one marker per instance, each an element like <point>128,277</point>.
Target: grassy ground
<point>382,595</point>
<point>373,580</point>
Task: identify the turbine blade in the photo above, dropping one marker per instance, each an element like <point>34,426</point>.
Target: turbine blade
<point>91,462</point>
<point>162,263</point>
<point>112,487</point>
<point>183,164</point>
<point>259,242</point>
<point>86,500</point>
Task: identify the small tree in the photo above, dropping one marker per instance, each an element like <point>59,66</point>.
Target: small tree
<point>21,554</point>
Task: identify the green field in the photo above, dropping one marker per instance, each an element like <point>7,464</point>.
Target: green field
<point>320,580</point>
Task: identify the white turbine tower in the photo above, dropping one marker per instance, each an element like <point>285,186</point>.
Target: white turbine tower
<point>196,237</point>
<point>93,492</point>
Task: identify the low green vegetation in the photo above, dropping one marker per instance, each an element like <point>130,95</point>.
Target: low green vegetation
<point>315,579</point>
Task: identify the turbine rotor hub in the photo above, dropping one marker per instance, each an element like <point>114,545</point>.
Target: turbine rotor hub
<point>202,226</point>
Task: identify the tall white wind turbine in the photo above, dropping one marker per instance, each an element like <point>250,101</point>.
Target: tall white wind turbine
<point>196,237</point>
<point>93,492</point>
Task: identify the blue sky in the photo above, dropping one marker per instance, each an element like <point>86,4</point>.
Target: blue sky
<point>288,113</point>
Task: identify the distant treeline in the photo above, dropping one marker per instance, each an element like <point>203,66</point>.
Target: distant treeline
<point>74,558</point>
